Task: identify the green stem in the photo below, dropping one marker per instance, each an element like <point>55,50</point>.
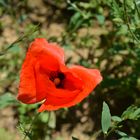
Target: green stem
<point>127,22</point>
<point>21,38</point>
<point>95,135</point>
<point>116,126</point>
<point>137,8</point>
<point>31,124</point>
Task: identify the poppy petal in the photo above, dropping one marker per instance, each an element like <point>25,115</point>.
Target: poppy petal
<point>90,77</point>
<point>50,55</point>
<point>39,52</point>
<point>50,103</point>
<point>45,87</point>
<point>72,81</point>
<point>40,44</point>
<point>27,86</point>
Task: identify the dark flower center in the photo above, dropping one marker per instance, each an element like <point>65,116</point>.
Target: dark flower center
<point>57,78</point>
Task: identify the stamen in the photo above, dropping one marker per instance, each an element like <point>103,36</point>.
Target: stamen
<point>57,78</point>
<point>61,76</point>
<point>57,81</point>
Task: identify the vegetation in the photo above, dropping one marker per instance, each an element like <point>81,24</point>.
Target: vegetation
<point>103,34</point>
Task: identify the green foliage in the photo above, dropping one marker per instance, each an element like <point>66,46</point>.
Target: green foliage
<point>52,120</point>
<point>127,114</point>
<point>128,138</point>
<point>45,117</point>
<point>6,100</point>
<point>28,124</point>
<point>116,119</point>
<point>106,118</point>
<point>31,30</point>
<point>132,113</point>
<point>124,136</point>
<point>102,34</point>
<point>81,17</point>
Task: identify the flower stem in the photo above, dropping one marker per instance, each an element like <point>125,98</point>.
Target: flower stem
<point>31,124</point>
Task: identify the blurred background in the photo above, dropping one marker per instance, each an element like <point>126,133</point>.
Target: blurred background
<point>103,34</point>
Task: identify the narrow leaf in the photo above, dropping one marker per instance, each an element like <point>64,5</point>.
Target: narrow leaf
<point>6,100</point>
<point>132,113</point>
<point>116,119</point>
<point>106,118</point>
<point>52,120</point>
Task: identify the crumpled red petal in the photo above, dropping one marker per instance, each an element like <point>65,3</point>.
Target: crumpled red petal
<point>40,51</point>
<point>91,78</point>
<point>49,55</point>
<point>35,85</point>
<point>47,87</point>
<point>27,87</point>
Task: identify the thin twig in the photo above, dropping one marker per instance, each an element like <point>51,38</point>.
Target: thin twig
<point>127,22</point>
<point>95,135</point>
<point>137,8</point>
<point>21,38</point>
<point>11,45</point>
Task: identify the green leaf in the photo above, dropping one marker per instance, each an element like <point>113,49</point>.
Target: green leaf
<point>106,118</point>
<point>3,3</point>
<point>101,19</point>
<point>118,20</point>
<point>128,138</point>
<point>76,21</point>
<point>73,138</point>
<point>122,133</point>
<point>15,48</point>
<point>116,10</point>
<point>130,3</point>
<point>124,136</point>
<point>116,119</point>
<point>52,120</point>
<point>6,100</point>
<point>44,117</point>
<point>132,113</point>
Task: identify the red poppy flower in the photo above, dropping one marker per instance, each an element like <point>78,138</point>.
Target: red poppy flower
<point>44,77</point>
